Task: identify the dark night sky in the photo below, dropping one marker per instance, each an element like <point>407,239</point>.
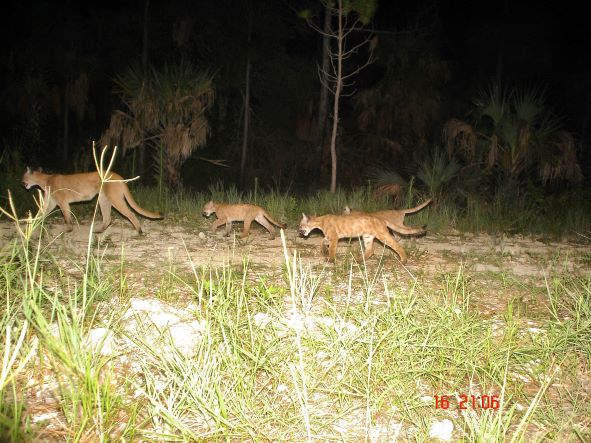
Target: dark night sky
<point>541,43</point>
<point>544,40</point>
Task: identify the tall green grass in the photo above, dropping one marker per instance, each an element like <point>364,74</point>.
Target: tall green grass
<point>289,364</point>
<point>567,215</point>
<point>512,209</point>
<point>356,353</point>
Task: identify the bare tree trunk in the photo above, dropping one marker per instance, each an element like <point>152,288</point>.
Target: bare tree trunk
<point>145,44</point>
<point>66,125</point>
<point>333,145</point>
<point>323,100</point>
<point>172,171</point>
<point>333,77</point>
<point>337,96</point>
<point>246,122</point>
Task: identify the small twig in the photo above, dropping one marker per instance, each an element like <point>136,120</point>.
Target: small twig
<point>217,162</point>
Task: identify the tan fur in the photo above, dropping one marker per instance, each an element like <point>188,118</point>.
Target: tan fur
<point>227,214</point>
<point>394,218</point>
<point>61,190</point>
<point>335,227</point>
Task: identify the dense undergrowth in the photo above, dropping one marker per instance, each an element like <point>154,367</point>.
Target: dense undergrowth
<point>526,212</point>
<point>311,356</point>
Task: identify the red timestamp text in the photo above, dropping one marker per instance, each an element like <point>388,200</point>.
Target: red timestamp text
<point>467,401</point>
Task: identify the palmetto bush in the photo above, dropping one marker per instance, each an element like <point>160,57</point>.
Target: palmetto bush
<point>164,108</point>
<point>398,114</point>
<point>388,182</point>
<point>514,132</point>
<point>437,170</point>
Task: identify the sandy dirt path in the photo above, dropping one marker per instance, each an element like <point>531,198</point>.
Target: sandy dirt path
<point>186,243</point>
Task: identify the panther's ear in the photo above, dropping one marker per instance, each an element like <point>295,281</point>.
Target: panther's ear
<point>40,169</point>
<point>304,218</point>
<point>29,170</point>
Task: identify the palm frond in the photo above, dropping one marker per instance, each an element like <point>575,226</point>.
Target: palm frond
<point>528,104</point>
<point>437,170</point>
<point>493,103</point>
<point>459,136</point>
<point>564,164</point>
<point>381,176</point>
<point>166,106</point>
